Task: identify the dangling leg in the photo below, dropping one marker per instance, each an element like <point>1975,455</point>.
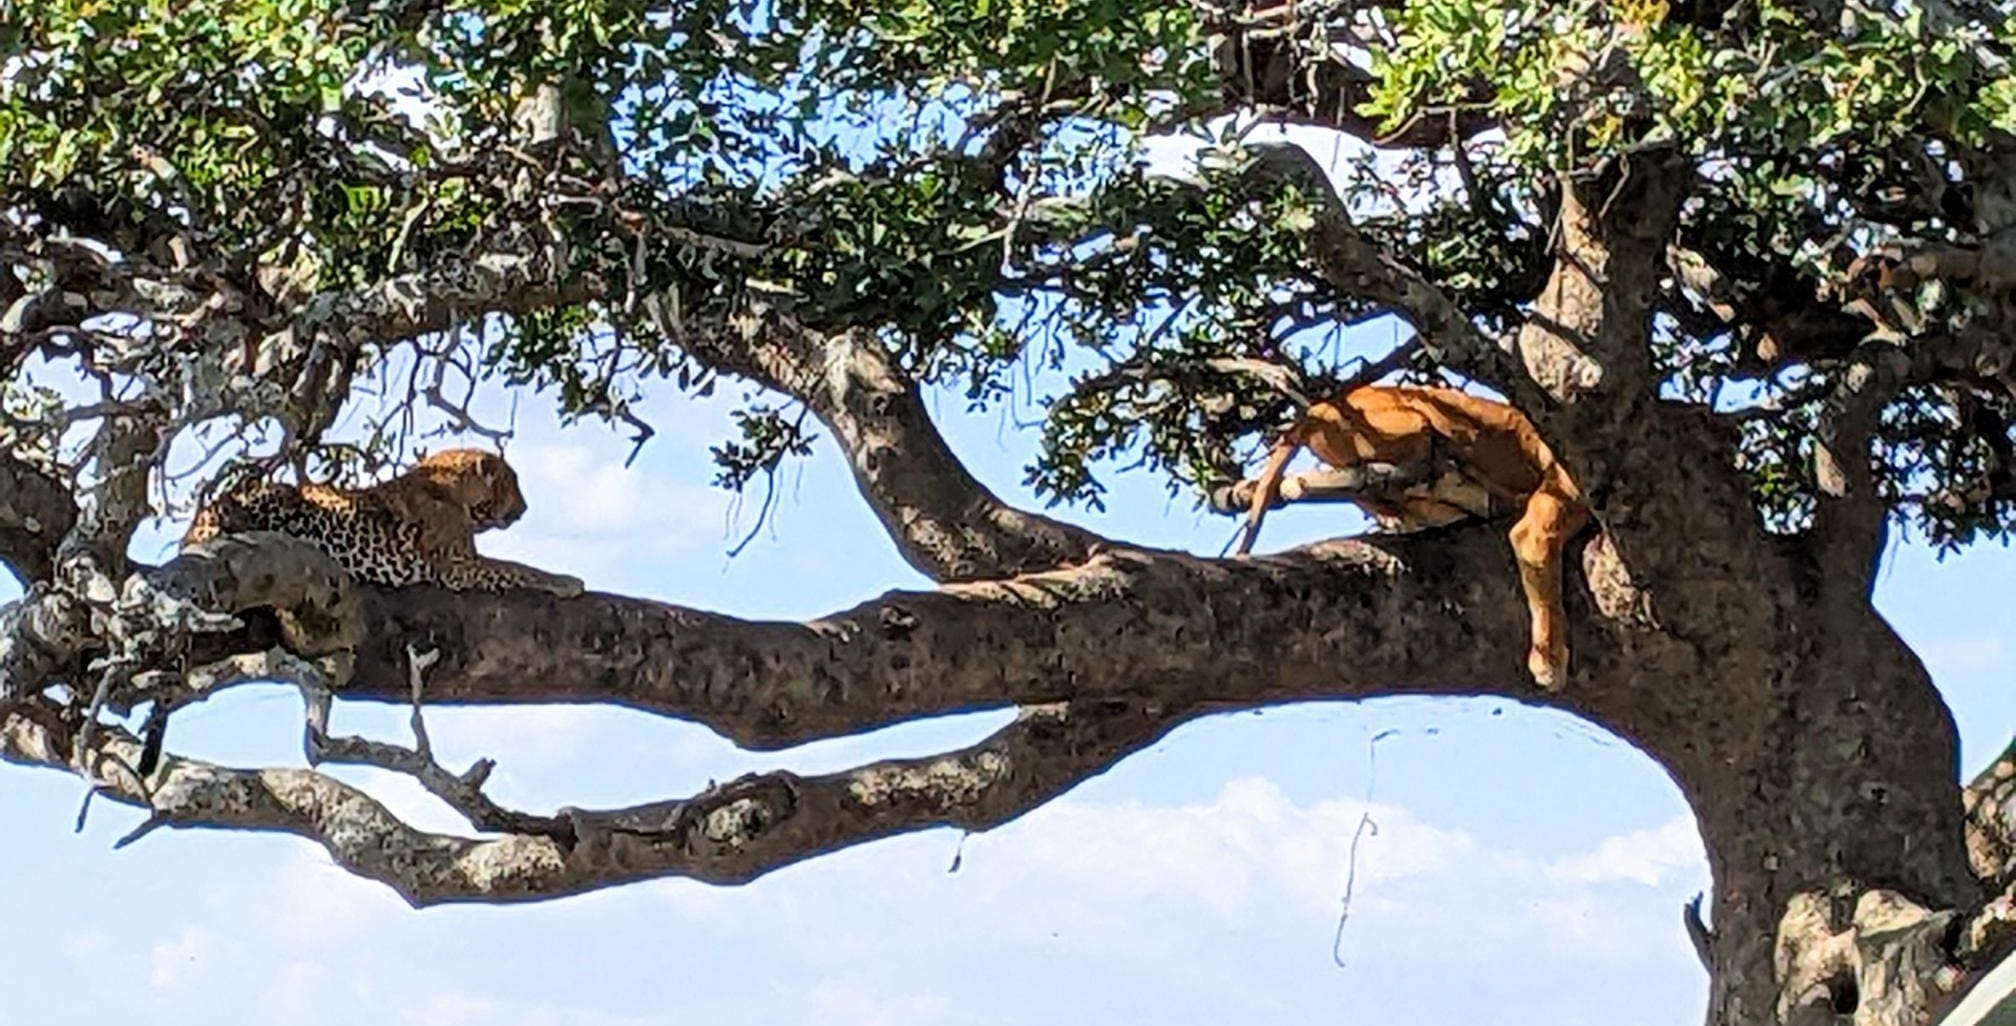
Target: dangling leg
<point>1268,488</point>
<point>1537,539</point>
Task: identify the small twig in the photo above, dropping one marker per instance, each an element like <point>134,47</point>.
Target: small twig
<point>417,665</point>
<point>154,733</point>
<point>316,701</point>
<point>98,700</point>
<point>1397,359</point>
<point>147,826</point>
<point>1365,823</point>
<point>458,414</point>
<point>84,810</point>
<point>1698,932</point>
<point>462,792</point>
<point>762,512</point>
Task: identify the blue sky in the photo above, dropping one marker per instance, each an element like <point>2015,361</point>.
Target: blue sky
<point>1528,868</point>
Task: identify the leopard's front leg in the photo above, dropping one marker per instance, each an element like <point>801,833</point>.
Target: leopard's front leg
<point>473,572</point>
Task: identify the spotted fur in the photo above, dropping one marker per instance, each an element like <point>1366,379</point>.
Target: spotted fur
<point>418,528</point>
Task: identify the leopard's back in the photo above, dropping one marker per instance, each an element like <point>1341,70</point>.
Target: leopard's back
<point>367,539</point>
<point>417,528</point>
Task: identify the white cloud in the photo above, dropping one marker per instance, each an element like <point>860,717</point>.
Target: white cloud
<point>299,992</point>
<point>845,1003</point>
<point>595,498</point>
<point>1642,856</point>
<point>592,517</point>
<point>1965,654</point>
<point>449,1008</point>
<point>174,962</point>
<point>86,946</point>
<point>1084,873</point>
<point>1251,838</point>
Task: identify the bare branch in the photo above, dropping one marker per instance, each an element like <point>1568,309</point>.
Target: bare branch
<point>462,792</point>
<point>455,293</point>
<point>726,834</point>
<point>945,522</point>
<point>1356,267</point>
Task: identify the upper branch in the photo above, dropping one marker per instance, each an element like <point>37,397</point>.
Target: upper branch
<point>122,456</point>
<point>1589,330</point>
<point>1292,60</point>
<point>1849,519</point>
<point>1356,267</point>
<point>944,521</point>
<point>1438,613</point>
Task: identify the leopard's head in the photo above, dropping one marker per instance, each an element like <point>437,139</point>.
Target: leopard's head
<point>480,482</point>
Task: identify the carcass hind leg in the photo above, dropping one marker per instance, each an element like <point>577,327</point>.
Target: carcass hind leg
<point>1537,540</point>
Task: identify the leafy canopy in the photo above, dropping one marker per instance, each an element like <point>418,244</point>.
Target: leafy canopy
<point>967,180</point>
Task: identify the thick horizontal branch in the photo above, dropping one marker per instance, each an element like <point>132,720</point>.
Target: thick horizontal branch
<point>727,834</point>
<point>1103,659</point>
<point>1437,612</point>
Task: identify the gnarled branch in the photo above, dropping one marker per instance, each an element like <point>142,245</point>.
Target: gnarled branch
<point>727,834</point>
<point>944,521</point>
<point>1355,266</point>
<point>1435,612</point>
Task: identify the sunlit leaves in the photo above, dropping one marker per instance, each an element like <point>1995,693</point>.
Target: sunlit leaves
<point>961,181</point>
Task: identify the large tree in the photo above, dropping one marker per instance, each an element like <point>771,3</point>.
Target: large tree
<point>1748,266</point>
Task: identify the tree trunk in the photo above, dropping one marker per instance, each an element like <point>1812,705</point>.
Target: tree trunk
<point>1822,767</point>
<point>1834,834</point>
<point>1819,759</point>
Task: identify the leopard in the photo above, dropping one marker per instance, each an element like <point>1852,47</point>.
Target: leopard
<point>417,528</point>
<point>1492,460</point>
